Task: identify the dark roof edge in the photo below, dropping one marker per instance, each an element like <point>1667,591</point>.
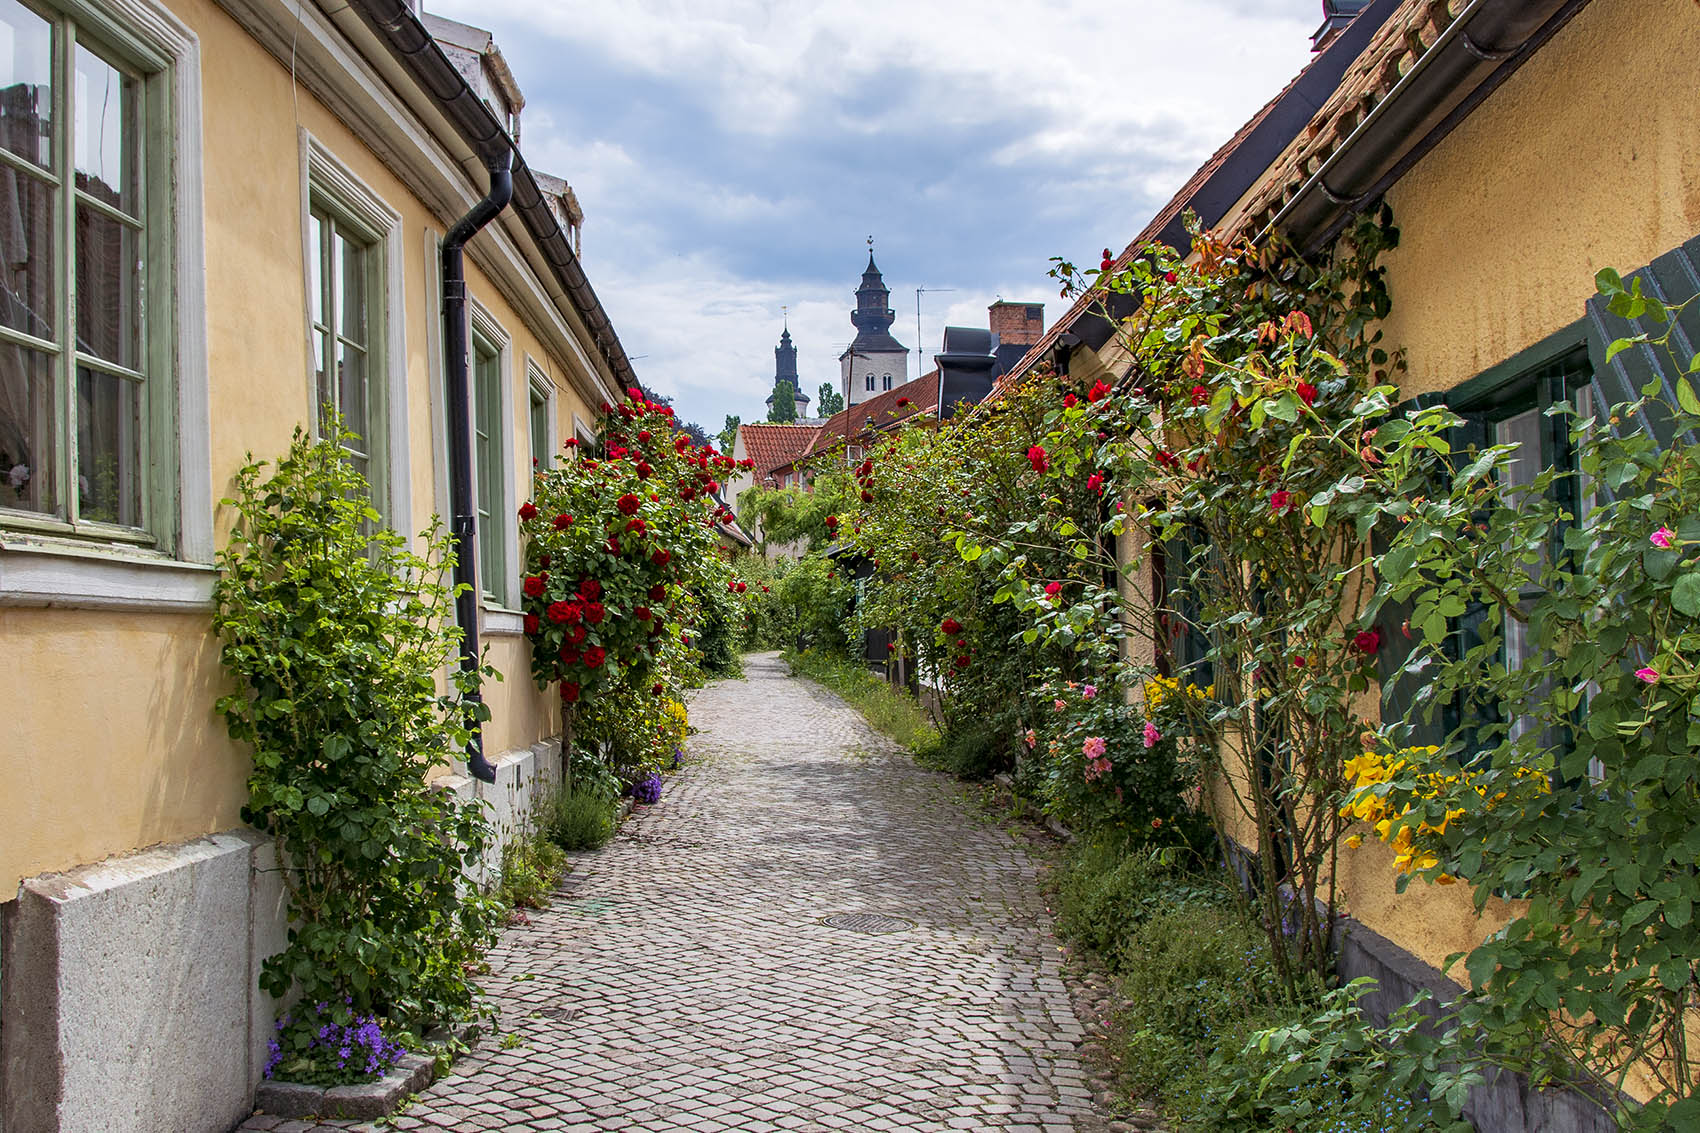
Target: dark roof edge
<point>405,35</point>
<point>1476,53</point>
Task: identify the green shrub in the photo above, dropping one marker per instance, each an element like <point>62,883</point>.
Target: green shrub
<point>579,820</point>
<point>972,751</point>
<point>1105,895</point>
<point>333,634</point>
<point>1194,979</point>
<point>532,865</point>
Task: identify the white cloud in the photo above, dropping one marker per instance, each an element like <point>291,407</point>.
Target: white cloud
<point>730,154</point>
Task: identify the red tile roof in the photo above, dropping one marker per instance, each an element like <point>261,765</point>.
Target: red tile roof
<point>775,446</point>
<point>918,396</point>
<point>1395,48</point>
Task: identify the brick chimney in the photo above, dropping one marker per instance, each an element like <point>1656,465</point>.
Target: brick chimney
<point>1017,324</point>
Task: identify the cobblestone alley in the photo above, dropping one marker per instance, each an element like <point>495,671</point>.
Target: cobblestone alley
<point>691,979</point>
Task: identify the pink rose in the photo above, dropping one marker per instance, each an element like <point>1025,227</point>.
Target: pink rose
<point>1651,676</point>
<point>1094,747</point>
<point>1089,691</point>
<point>1152,735</point>
<point>1058,705</point>
<point>1662,538</point>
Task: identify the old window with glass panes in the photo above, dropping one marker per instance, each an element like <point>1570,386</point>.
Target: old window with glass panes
<point>345,307</point>
<point>87,441</point>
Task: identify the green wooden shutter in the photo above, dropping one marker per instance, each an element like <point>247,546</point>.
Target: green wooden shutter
<point>1674,278</point>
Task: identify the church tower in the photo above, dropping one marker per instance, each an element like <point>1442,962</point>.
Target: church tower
<point>785,370</point>
<point>875,362</point>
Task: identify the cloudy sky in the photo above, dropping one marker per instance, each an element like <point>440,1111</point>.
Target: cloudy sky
<point>733,156</point>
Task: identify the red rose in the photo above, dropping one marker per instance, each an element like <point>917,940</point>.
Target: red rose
<point>1307,393</point>
<point>594,656</point>
<point>1069,401</point>
<point>643,613</point>
<point>951,627</point>
<point>568,655</point>
<point>543,561</point>
<point>1367,641</point>
<point>681,443</point>
<point>1052,589</point>
<point>962,662</point>
<point>569,692</point>
<point>661,556</point>
<point>634,393</point>
<point>628,504</point>
<point>1098,392</point>
<point>867,497</point>
<point>613,544</point>
<point>594,612</point>
<point>1036,457</point>
<point>891,647</point>
<point>1280,501</point>
<point>658,592</point>
<point>532,625</point>
<point>1168,277</point>
<point>528,510</point>
<point>655,689</point>
<point>1167,459</point>
<point>570,442</point>
<point>643,436</point>
<point>636,525</point>
<point>1096,482</point>
<point>902,402</point>
<point>576,634</point>
<point>534,587</point>
<point>563,521</point>
<point>589,589</point>
<point>643,470</point>
<point>560,612</point>
<point>1298,662</point>
<point>1200,395</point>
<point>831,521</point>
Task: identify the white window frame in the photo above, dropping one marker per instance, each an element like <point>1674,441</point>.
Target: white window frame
<point>326,178</point>
<point>44,569</point>
<point>585,435</point>
<point>498,593</point>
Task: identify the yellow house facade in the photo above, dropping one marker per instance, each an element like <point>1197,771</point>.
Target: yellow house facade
<point>1521,147</point>
<point>220,216</point>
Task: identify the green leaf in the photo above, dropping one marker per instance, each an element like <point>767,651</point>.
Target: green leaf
<point>1283,408</point>
<point>1685,595</point>
<point>1608,281</point>
<point>319,805</point>
<point>1686,397</point>
<point>1617,348</point>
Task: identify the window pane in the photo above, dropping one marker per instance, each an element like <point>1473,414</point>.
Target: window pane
<point>109,289</point>
<point>26,430</point>
<point>486,449</point>
<point>540,454</point>
<point>316,269</point>
<point>106,116</point>
<point>350,268</point>
<point>1524,431</point>
<point>109,438</point>
<point>26,253</point>
<point>26,83</point>
<point>351,392</point>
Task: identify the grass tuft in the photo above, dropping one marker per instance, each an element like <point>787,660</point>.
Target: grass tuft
<point>888,709</point>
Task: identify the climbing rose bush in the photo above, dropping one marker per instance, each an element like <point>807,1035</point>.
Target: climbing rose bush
<point>613,544</point>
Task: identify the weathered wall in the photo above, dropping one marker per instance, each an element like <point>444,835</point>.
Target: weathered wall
<point>111,736</point>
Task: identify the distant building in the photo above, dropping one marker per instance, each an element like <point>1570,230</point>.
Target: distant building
<point>785,370</point>
<point>875,362</point>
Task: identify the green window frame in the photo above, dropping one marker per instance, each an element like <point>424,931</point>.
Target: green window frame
<point>487,466</point>
<point>540,417</point>
<point>88,432</point>
<point>346,318</point>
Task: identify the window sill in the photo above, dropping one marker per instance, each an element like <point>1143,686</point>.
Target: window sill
<point>40,572</point>
<point>499,622</point>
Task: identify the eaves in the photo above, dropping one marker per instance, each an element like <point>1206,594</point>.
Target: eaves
<point>336,58</point>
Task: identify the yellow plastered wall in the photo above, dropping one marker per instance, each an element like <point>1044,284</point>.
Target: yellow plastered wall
<point>110,739</point>
<point>1587,157</point>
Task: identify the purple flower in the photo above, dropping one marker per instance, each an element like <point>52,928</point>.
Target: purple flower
<point>646,789</point>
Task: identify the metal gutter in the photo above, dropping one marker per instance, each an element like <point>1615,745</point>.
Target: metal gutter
<point>463,506</point>
<point>1477,52</point>
<point>412,46</point>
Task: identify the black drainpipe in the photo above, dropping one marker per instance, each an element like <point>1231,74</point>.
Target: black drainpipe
<point>462,505</point>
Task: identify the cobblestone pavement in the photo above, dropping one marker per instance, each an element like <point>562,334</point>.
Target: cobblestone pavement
<point>689,983</point>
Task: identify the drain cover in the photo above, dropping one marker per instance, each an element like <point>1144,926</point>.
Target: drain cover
<point>867,922</point>
<point>558,1013</point>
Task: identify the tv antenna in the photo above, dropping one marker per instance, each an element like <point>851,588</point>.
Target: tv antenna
<point>920,346</point>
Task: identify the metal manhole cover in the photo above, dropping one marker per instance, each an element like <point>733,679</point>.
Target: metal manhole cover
<point>558,1013</point>
<point>867,922</point>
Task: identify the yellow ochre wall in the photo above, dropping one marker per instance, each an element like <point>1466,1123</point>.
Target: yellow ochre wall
<point>1587,157</point>
<point>110,741</point>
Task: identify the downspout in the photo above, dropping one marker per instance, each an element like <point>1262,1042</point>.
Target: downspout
<point>463,506</point>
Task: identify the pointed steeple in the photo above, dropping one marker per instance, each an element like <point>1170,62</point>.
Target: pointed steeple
<point>873,315</point>
<point>785,370</point>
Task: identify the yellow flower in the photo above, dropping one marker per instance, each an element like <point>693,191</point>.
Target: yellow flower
<point>1354,842</point>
